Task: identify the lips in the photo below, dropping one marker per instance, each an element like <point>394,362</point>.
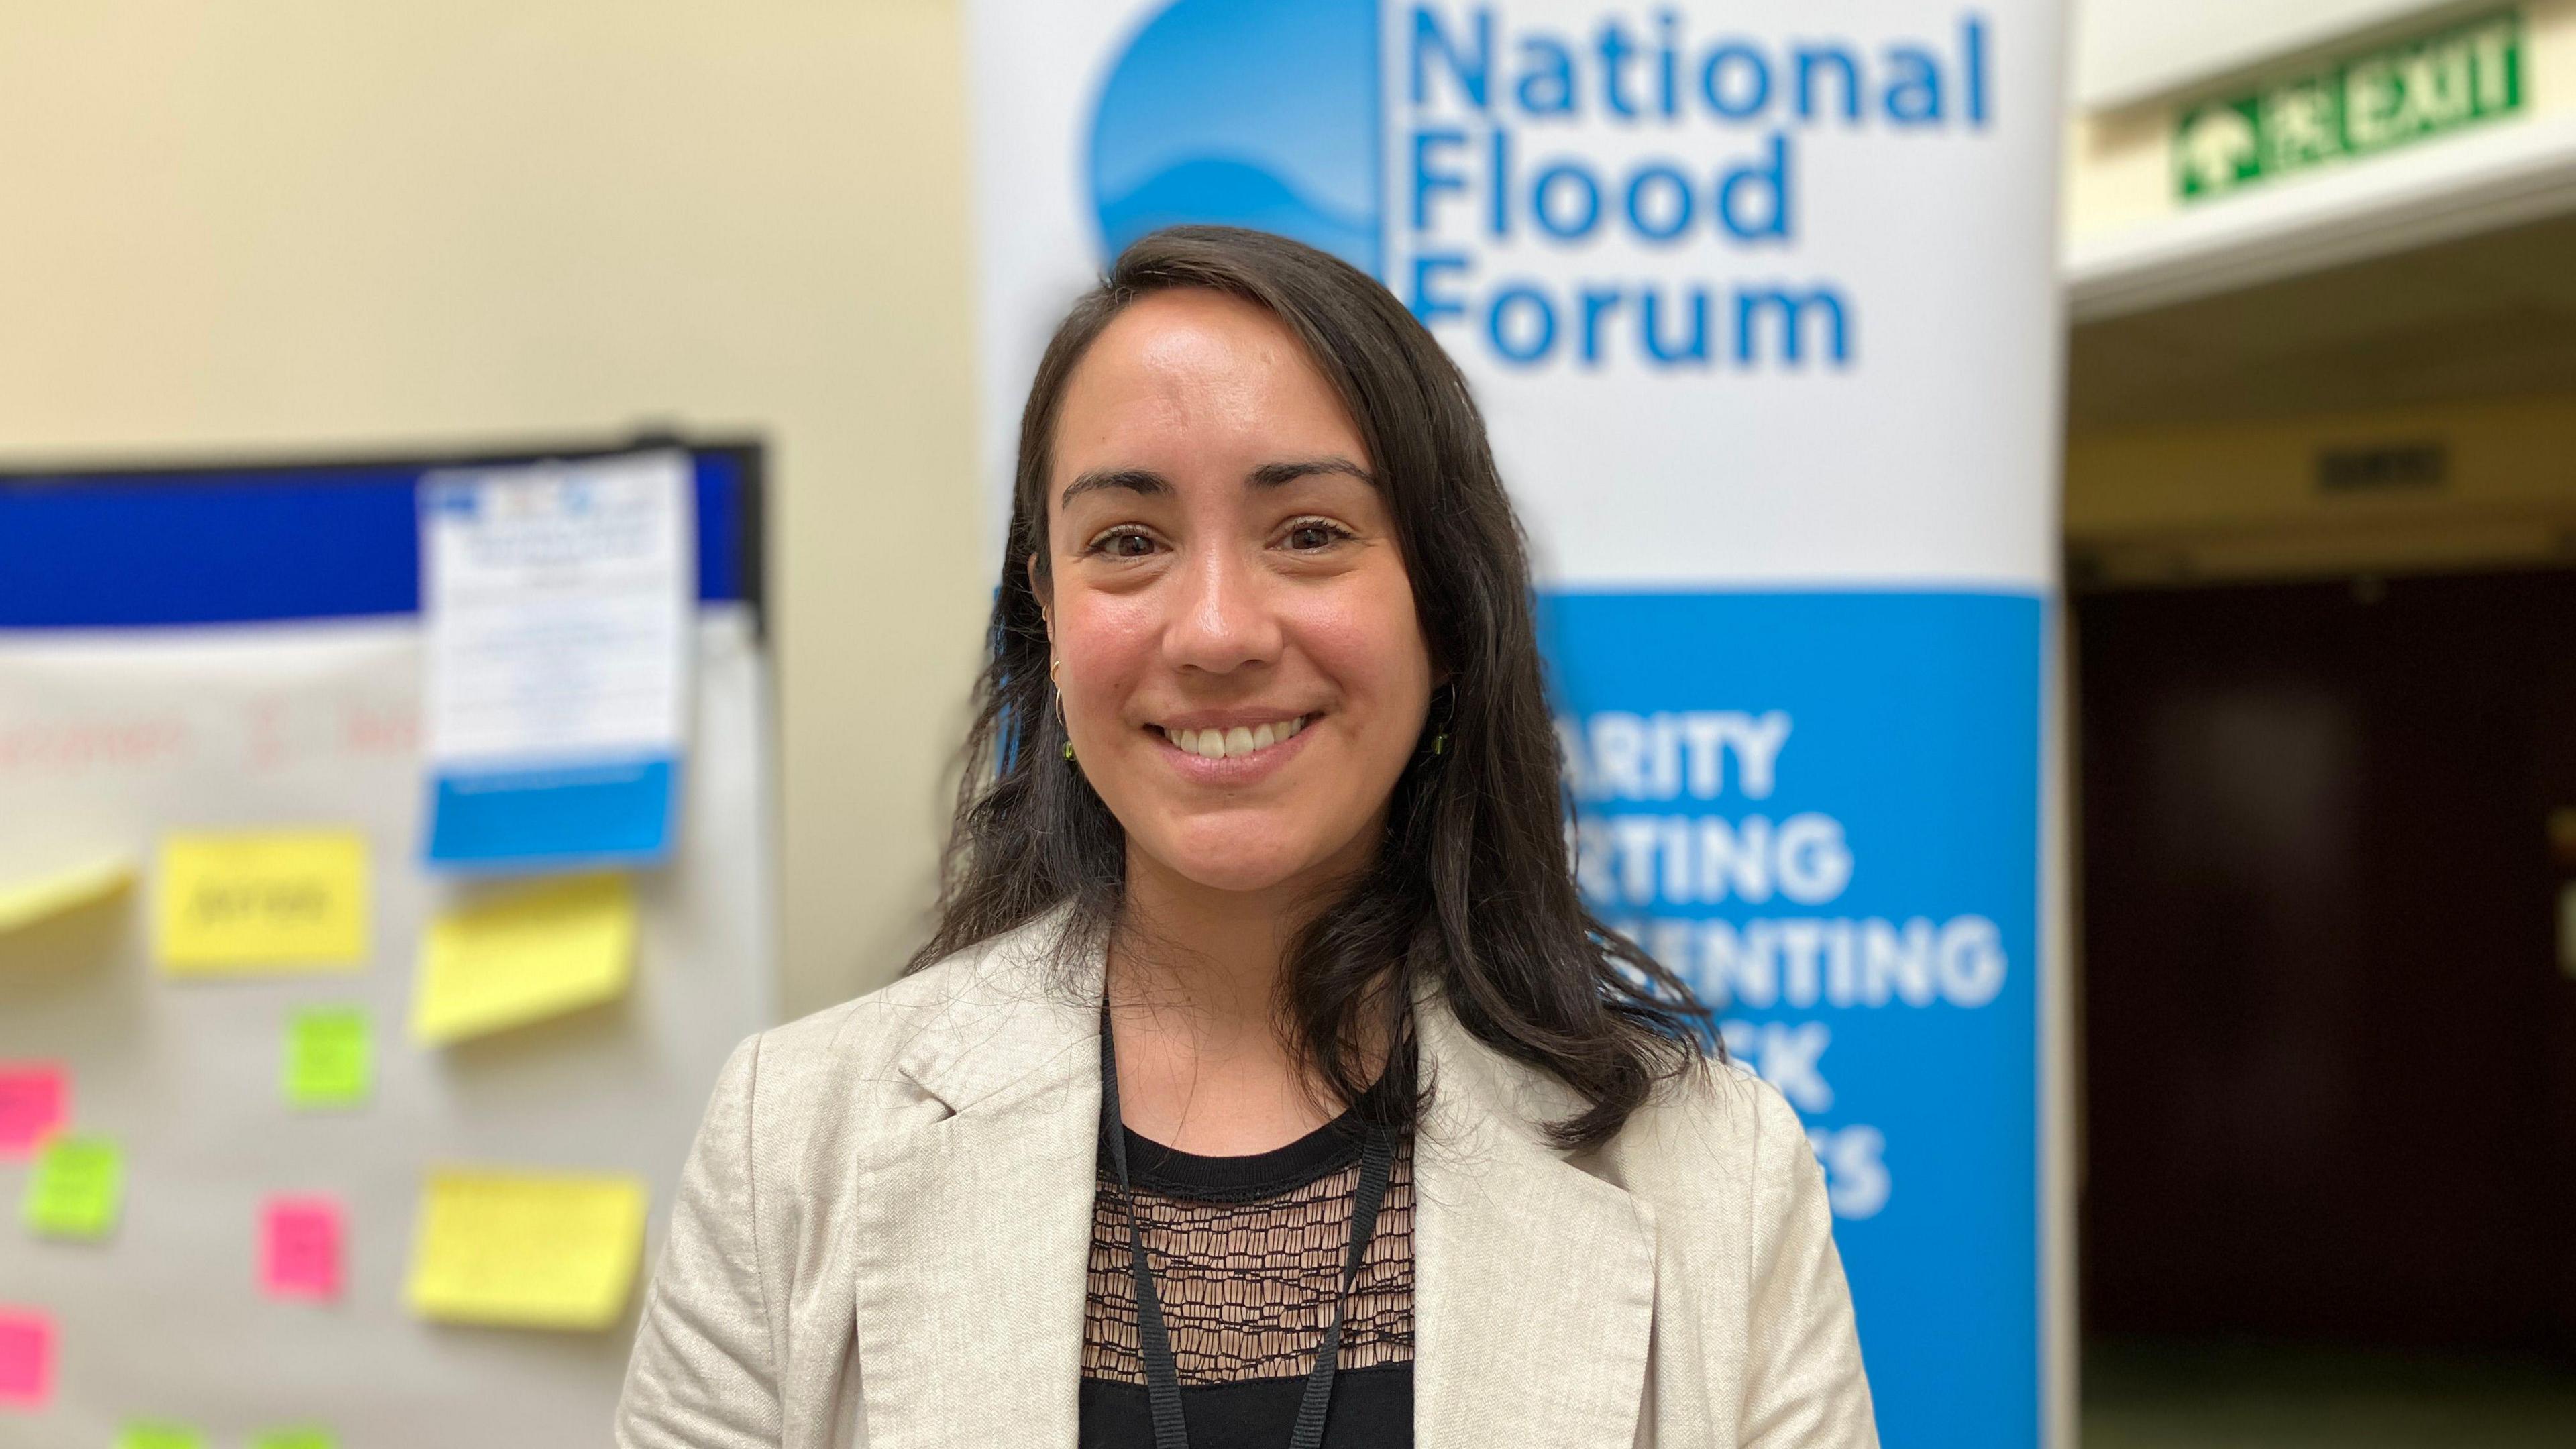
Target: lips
<point>1233,741</point>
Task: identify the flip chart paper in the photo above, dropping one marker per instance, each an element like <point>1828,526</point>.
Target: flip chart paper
<point>524,956</point>
<point>160,1436</point>
<point>300,1248</point>
<point>258,902</point>
<point>26,1359</point>
<point>526,1250</point>
<point>76,1188</point>
<point>25,904</point>
<point>35,1097</point>
<point>295,1439</point>
<point>330,1057</point>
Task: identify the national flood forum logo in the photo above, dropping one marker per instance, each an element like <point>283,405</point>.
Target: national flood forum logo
<point>1619,190</point>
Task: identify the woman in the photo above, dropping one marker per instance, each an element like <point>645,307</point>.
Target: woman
<point>1265,1081</point>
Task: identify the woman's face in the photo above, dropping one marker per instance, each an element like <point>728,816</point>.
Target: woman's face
<point>1242,671</point>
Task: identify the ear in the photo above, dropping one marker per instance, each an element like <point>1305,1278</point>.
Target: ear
<point>1041,589</point>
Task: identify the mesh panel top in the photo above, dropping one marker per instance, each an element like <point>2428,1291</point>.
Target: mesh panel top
<point>1247,1270</point>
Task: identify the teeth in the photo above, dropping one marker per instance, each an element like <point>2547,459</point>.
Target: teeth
<point>1213,744</point>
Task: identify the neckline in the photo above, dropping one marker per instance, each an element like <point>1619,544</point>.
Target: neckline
<point>1174,1173</point>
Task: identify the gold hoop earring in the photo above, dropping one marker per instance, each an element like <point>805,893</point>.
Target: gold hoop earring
<point>1053,665</point>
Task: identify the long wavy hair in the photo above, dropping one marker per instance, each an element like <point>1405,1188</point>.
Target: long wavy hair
<point>1472,887</point>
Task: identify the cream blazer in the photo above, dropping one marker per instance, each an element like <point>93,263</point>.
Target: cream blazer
<point>883,1229</point>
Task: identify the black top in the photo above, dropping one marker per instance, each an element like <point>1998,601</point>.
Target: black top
<point>1248,1255</point>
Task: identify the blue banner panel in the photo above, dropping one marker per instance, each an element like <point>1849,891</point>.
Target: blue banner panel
<point>1823,810</point>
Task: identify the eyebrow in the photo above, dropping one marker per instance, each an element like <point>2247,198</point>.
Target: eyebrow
<point>1148,483</point>
<point>1271,475</point>
<point>1134,480</point>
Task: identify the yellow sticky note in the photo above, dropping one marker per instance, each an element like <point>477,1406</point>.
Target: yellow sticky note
<point>526,1250</point>
<point>25,904</point>
<point>267,901</point>
<point>524,956</point>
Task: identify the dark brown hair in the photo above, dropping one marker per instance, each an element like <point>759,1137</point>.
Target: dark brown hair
<point>1472,888</point>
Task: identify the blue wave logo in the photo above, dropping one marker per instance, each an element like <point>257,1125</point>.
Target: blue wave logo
<point>1257,113</point>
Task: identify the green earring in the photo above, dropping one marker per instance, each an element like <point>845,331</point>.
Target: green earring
<point>1440,743</point>
<point>1068,750</point>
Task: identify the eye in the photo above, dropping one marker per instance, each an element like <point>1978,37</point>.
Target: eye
<point>1121,542</point>
<point>1313,535</point>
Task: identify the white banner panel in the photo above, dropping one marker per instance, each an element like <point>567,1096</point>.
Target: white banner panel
<point>1760,301</point>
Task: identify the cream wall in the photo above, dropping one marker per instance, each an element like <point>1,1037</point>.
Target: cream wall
<point>313,225</point>
<point>2240,499</point>
<point>2126,49</point>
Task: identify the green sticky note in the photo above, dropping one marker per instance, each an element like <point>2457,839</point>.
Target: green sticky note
<point>295,1439</point>
<point>330,1057</point>
<point>76,1187</point>
<point>160,1436</point>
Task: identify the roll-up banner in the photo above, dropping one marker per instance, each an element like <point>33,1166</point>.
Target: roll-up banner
<point>1760,301</point>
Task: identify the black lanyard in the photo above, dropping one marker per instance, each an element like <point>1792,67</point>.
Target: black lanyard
<point>1162,1380</point>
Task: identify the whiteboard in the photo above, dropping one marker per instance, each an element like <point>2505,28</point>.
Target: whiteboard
<point>111,737</point>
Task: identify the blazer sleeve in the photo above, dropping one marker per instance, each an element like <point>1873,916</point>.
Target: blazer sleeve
<point>705,1370</point>
<point>1804,1387</point>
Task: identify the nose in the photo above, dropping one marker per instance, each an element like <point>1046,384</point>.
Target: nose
<point>1221,616</point>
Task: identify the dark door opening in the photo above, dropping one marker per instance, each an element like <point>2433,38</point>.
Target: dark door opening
<point>2329,1046</point>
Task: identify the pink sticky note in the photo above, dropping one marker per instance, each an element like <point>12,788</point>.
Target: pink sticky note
<point>34,1098</point>
<point>26,1358</point>
<point>300,1248</point>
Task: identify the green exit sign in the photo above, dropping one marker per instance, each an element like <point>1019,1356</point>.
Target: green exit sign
<point>2356,106</point>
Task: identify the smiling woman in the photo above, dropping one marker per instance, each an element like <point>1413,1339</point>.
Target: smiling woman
<point>1223,563</point>
<point>1265,1080</point>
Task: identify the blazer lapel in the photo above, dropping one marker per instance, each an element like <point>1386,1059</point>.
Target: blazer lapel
<point>975,1231</point>
<point>1534,1282</point>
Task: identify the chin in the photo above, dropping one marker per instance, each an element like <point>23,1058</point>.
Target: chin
<point>1249,871</point>
<point>1245,860</point>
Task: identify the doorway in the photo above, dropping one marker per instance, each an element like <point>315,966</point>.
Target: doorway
<point>2329,1038</point>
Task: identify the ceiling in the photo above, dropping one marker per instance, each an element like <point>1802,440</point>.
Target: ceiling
<point>2487,316</point>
